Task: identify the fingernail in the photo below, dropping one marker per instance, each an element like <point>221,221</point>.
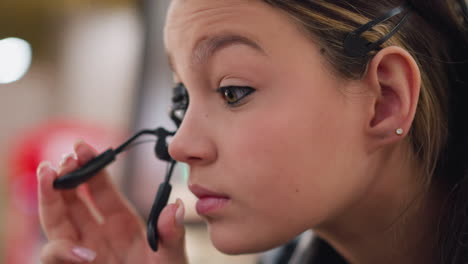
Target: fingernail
<point>179,216</point>
<point>44,165</point>
<point>78,144</point>
<point>84,253</point>
<point>66,158</point>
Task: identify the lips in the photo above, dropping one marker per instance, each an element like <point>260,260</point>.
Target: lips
<point>202,192</point>
<point>209,201</point>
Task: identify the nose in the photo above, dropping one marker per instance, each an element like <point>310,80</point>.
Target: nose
<point>192,144</point>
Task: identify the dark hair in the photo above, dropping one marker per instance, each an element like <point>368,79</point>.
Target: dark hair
<point>435,35</point>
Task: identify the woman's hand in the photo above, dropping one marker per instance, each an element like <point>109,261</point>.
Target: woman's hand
<point>95,223</point>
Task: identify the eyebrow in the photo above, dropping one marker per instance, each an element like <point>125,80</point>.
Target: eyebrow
<point>206,47</point>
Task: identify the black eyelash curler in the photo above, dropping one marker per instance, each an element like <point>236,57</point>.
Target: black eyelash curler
<point>87,171</point>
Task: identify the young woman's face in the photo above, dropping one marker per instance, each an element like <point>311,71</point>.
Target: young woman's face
<point>281,140</point>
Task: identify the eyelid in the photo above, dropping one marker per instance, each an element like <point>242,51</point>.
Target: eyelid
<point>234,81</point>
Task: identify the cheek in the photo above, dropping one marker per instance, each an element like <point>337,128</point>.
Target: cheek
<point>285,178</point>
<point>290,169</point>
<point>293,156</point>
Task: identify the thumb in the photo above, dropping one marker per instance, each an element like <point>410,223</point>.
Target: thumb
<point>172,233</point>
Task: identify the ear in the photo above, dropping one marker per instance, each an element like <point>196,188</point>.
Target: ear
<point>394,80</point>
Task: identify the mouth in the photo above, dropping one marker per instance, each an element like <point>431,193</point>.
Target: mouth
<point>208,201</point>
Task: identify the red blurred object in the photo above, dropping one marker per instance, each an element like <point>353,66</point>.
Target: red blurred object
<point>47,141</point>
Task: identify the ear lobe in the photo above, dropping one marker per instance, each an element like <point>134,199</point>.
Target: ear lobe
<point>394,78</point>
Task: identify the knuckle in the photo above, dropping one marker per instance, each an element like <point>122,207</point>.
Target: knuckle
<point>46,254</point>
<point>53,252</point>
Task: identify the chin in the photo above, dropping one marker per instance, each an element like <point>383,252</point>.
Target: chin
<point>236,241</point>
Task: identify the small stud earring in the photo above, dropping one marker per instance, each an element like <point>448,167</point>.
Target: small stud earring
<point>399,131</point>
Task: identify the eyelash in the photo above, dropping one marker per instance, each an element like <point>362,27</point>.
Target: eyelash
<point>246,91</point>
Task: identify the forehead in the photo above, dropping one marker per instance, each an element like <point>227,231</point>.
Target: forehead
<point>189,21</point>
<point>183,13</point>
<point>187,18</point>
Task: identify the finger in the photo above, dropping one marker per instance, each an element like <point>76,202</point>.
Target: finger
<point>52,208</point>
<point>78,210</point>
<point>64,251</point>
<point>103,191</point>
<point>67,165</point>
<point>172,233</point>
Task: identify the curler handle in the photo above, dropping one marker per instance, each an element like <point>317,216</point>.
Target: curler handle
<point>81,175</point>
<point>159,203</point>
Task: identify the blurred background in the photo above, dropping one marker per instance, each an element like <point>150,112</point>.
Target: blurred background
<point>91,70</point>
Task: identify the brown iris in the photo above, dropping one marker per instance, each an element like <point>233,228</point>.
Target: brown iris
<point>230,96</point>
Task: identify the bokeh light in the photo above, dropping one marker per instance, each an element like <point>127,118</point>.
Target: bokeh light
<point>15,59</point>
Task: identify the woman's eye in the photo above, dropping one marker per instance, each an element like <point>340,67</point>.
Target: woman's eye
<point>233,95</point>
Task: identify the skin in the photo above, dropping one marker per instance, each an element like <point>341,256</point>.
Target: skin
<point>307,149</point>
